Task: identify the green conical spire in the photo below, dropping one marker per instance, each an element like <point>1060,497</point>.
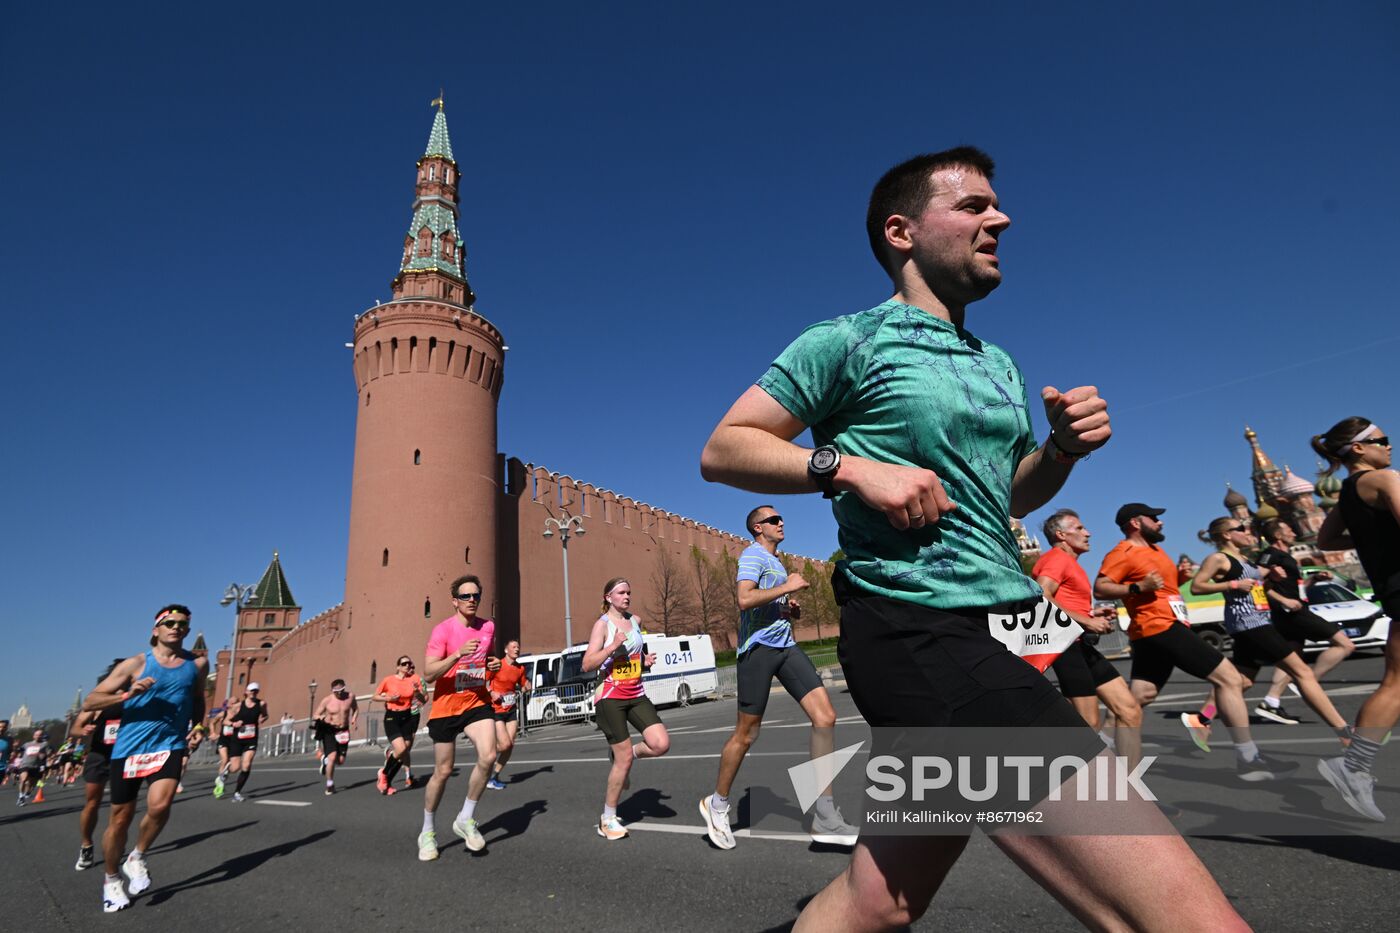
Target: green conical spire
<point>438,143</point>
<point>272,591</point>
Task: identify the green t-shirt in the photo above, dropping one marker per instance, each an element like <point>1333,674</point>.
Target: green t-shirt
<point>897,385</point>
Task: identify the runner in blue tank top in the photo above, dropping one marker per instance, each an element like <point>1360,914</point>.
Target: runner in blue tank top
<point>160,695</point>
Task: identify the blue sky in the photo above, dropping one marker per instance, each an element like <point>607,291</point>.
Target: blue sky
<point>654,202</point>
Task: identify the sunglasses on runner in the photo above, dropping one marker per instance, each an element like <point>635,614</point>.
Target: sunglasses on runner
<point>405,664</point>
<point>1240,528</point>
<point>476,596</point>
<point>176,623</point>
<point>1381,441</point>
<point>771,520</point>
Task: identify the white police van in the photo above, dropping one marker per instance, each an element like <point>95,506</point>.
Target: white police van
<point>684,670</point>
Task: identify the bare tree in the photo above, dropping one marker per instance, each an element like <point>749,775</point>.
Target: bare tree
<point>670,603</point>
<point>712,596</point>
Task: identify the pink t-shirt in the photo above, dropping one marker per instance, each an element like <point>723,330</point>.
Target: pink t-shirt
<point>464,685</point>
<point>1074,593</point>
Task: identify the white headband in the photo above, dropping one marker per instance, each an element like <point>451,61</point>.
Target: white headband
<point>614,587</point>
<point>1370,429</point>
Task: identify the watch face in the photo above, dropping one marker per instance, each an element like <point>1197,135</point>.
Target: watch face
<point>823,459</point>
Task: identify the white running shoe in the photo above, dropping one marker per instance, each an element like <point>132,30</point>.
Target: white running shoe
<point>427,846</point>
<point>134,867</point>
<point>717,824</point>
<point>85,858</point>
<point>470,834</point>
<point>1356,788</point>
<point>1293,688</point>
<point>611,829</point>
<point>833,830</point>
<point>113,897</point>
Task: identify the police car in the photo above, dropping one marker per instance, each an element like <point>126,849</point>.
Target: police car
<point>1362,620</point>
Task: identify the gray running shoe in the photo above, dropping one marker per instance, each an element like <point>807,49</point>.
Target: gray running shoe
<point>833,830</point>
<point>1357,789</point>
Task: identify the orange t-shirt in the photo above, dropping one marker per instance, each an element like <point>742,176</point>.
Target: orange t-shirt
<point>1151,613</point>
<point>506,680</point>
<point>402,688</point>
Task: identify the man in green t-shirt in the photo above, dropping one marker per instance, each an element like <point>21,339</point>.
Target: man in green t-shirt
<point>924,442</point>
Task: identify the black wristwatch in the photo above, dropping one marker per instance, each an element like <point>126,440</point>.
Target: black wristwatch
<point>822,467</point>
<point>1134,589</point>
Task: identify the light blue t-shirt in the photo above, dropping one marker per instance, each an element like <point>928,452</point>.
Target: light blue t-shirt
<point>157,719</point>
<point>766,624</point>
<point>897,385</point>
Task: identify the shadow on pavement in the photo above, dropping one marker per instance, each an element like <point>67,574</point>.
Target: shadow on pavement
<point>236,867</point>
<point>514,822</point>
<point>526,775</point>
<point>198,837</point>
<point>643,804</point>
<point>1360,850</point>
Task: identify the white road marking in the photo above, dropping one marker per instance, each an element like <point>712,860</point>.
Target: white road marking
<point>700,831</point>
<point>283,803</point>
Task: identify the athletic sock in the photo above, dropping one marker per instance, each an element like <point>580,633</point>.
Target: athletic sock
<point>1208,712</point>
<point>717,803</point>
<point>1361,756</point>
<point>110,878</point>
<point>1272,702</point>
<point>1246,751</point>
<point>391,768</point>
<point>825,806</point>
<point>468,810</point>
<point>242,779</point>
<point>428,822</point>
<point>609,812</point>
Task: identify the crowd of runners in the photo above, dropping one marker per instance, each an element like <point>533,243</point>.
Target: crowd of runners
<point>924,444</point>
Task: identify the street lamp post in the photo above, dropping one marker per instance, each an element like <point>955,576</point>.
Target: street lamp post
<point>238,596</point>
<point>568,526</point>
<point>310,709</point>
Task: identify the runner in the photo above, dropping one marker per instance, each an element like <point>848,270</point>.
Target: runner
<point>6,745</point>
<point>33,759</point>
<point>335,719</point>
<point>63,765</point>
<point>1367,518</point>
<point>240,730</point>
<point>1141,574</point>
<point>506,688</point>
<point>102,726</point>
<point>458,659</point>
<point>903,401</point>
<point>161,692</point>
<point>767,650</point>
<point>403,696</point>
<point>1247,617</point>
<point>220,726</point>
<point>1289,611</point>
<point>617,650</point>
<point>197,736</point>
<point>1085,676</point>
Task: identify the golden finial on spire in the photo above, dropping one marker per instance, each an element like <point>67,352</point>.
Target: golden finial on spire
<point>437,101</point>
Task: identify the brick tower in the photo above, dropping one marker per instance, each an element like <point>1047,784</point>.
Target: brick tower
<point>428,369</point>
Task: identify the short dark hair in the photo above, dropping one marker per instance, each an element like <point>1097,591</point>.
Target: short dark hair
<point>337,682</point>
<point>1054,524</point>
<point>906,189</point>
<point>753,518</point>
<point>466,578</point>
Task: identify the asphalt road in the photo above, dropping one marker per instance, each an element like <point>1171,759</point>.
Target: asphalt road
<point>290,857</point>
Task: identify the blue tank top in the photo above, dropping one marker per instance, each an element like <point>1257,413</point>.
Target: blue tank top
<point>1248,609</point>
<point>158,719</point>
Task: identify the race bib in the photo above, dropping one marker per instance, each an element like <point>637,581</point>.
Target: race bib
<point>248,731</point>
<point>140,766</point>
<point>1038,635</point>
<point>1261,599</point>
<point>342,737</point>
<point>629,671</point>
<point>1179,609</point>
<point>109,732</point>
<point>507,700</point>
<point>469,677</point>
<point>227,731</point>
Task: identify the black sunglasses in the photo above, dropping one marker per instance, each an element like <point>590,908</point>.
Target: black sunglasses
<point>1381,441</point>
<point>176,623</point>
<point>771,520</point>
<point>405,664</point>
<point>476,596</point>
<point>1239,528</point>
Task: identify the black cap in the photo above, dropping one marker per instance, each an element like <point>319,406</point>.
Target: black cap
<point>1133,510</point>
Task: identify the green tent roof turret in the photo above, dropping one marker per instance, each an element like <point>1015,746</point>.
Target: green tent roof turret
<point>272,591</point>
<point>438,143</point>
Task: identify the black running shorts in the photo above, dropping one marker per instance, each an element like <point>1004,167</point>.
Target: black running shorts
<point>400,724</point>
<point>1156,655</point>
<point>1082,670</point>
<point>1302,626</point>
<point>761,663</point>
<point>908,665</point>
<point>447,728</point>
<point>125,789</point>
<point>96,768</point>
<point>613,716</point>
<point>1259,647</point>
